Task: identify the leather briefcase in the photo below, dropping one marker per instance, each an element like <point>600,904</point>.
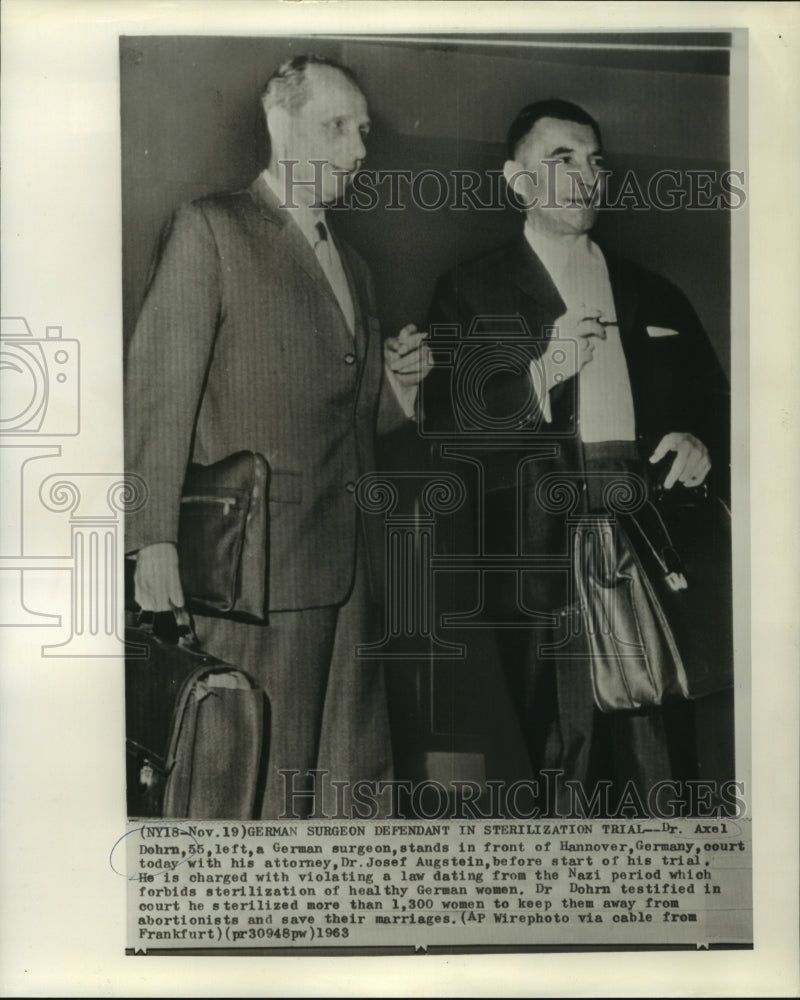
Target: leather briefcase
<point>223,538</point>
<point>196,731</point>
<point>655,600</point>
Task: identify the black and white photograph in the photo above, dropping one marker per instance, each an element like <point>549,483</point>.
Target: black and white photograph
<point>433,490</point>
<point>410,498</point>
<point>466,459</point>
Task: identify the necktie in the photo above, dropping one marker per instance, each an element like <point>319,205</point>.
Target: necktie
<point>331,264</point>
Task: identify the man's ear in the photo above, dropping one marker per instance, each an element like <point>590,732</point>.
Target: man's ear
<point>521,181</point>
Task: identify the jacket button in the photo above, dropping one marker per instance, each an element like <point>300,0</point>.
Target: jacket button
<point>350,486</point>
<point>349,359</point>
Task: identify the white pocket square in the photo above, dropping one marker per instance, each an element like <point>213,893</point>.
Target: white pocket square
<point>661,331</point>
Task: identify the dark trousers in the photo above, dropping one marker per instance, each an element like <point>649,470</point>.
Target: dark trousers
<point>327,706</point>
<point>629,753</point>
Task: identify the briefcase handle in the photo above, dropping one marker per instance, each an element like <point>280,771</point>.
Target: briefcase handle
<point>175,627</point>
<point>655,535</point>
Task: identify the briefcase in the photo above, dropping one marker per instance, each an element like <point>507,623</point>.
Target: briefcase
<point>223,538</point>
<point>655,601</point>
<point>197,731</point>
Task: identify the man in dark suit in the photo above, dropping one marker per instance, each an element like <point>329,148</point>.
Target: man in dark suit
<point>258,332</point>
<point>611,373</point>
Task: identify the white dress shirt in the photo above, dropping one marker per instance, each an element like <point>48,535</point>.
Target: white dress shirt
<point>579,272</point>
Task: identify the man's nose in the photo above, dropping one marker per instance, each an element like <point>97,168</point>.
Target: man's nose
<point>358,150</point>
<point>587,176</point>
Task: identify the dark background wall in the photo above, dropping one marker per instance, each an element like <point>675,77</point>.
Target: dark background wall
<point>192,124</point>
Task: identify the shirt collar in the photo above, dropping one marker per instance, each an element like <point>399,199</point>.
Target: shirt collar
<point>554,253</point>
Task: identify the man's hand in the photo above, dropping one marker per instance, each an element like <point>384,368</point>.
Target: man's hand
<point>407,356</point>
<point>157,580</point>
<point>560,362</point>
<point>691,465</point>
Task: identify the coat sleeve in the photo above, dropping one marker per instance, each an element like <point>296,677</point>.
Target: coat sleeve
<point>713,419</point>
<point>165,369</point>
<point>700,394</point>
<point>480,381</point>
<point>391,415</point>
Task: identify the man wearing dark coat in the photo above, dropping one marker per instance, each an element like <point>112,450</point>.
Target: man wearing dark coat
<point>606,370</point>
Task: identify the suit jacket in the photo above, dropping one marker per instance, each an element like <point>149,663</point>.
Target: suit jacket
<point>676,381</point>
<point>241,344</point>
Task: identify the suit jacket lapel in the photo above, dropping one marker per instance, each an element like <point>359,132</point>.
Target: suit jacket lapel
<point>533,278</point>
<point>626,299</point>
<point>361,309</point>
<point>291,239</point>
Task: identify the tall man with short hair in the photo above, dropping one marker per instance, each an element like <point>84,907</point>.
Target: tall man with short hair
<point>258,332</point>
<point>641,385</point>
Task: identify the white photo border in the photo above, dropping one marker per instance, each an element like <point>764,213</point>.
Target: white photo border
<point>63,912</point>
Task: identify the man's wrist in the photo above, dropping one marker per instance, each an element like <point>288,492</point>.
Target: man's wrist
<point>406,395</point>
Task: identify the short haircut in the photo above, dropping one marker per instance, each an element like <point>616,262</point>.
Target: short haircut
<point>288,87</point>
<point>564,111</point>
